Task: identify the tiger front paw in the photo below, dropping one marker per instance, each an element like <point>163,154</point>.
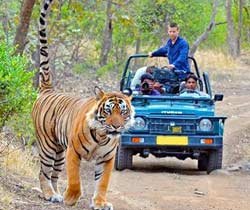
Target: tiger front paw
<point>105,206</point>
<point>57,198</point>
<point>71,196</point>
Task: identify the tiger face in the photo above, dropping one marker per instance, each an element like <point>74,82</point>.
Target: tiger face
<point>113,113</point>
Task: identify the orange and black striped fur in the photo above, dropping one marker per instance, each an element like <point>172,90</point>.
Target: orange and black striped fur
<point>70,128</point>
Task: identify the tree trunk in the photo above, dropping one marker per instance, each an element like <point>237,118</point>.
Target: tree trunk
<point>5,21</point>
<point>23,27</point>
<point>107,36</point>
<point>137,50</point>
<point>165,29</point>
<point>247,27</point>
<point>138,45</point>
<point>208,30</point>
<point>240,24</point>
<point>231,37</point>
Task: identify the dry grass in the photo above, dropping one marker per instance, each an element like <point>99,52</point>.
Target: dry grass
<point>5,197</point>
<point>15,159</point>
<point>20,162</point>
<point>215,60</point>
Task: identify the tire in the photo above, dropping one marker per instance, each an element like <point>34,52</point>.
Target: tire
<point>203,162</point>
<point>123,159</point>
<point>214,160</point>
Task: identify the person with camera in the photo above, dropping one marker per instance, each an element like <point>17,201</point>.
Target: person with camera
<point>177,50</point>
<point>149,86</point>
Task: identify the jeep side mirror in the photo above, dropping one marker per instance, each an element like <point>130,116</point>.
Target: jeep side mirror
<point>218,97</point>
<point>127,91</point>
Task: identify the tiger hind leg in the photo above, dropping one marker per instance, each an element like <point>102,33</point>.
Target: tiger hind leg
<point>47,181</point>
<point>57,168</point>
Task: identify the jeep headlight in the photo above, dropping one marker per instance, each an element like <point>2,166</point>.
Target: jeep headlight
<point>139,123</point>
<point>205,125</point>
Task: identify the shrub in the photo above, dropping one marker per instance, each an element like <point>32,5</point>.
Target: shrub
<point>16,90</point>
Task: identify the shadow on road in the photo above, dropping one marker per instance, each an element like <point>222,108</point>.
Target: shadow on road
<point>167,165</point>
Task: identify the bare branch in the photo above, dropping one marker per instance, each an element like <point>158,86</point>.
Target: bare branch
<point>220,23</point>
<point>208,30</point>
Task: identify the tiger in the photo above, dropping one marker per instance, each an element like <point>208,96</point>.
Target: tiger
<point>70,128</point>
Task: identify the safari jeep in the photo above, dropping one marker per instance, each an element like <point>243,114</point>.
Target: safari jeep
<point>172,124</point>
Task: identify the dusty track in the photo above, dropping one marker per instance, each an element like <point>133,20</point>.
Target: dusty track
<point>165,184</point>
<point>161,184</point>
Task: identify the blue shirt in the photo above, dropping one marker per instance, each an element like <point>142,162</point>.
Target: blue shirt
<point>177,53</point>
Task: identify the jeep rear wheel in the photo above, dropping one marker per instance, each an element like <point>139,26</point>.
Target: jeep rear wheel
<point>214,160</point>
<point>123,159</point>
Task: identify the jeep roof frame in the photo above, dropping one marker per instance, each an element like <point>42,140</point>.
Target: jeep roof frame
<point>197,72</point>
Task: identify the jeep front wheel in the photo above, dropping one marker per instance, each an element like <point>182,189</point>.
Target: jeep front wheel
<point>123,158</point>
<point>214,160</point>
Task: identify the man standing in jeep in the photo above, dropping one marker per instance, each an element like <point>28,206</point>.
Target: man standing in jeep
<point>176,49</point>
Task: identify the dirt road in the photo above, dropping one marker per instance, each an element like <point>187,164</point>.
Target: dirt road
<point>167,183</point>
<point>164,184</point>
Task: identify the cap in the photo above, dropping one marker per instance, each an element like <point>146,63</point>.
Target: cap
<point>147,76</point>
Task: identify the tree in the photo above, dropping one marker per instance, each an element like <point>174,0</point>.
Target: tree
<point>23,27</point>
<point>208,30</point>
<point>233,43</point>
<point>240,24</point>
<point>107,35</point>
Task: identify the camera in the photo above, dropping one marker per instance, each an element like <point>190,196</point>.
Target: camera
<point>145,88</point>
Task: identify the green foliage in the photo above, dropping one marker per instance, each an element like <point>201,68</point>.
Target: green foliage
<point>9,12</point>
<point>16,93</point>
<point>81,23</point>
<point>115,68</point>
<point>22,125</point>
<point>85,67</point>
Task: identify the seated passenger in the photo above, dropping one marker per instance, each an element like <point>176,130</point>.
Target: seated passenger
<point>136,80</point>
<point>148,85</point>
<point>191,86</point>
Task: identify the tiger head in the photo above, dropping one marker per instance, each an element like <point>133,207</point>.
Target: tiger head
<point>113,112</point>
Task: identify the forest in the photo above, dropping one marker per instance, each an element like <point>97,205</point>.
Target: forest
<point>97,36</point>
<point>89,44</point>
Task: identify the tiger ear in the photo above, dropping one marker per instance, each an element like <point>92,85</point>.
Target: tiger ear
<point>98,92</point>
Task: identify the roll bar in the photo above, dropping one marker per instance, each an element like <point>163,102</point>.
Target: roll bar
<point>145,56</point>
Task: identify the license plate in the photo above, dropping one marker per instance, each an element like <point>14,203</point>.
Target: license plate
<point>176,129</point>
<point>172,140</point>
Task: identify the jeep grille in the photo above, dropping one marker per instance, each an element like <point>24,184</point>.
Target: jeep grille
<point>170,126</point>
